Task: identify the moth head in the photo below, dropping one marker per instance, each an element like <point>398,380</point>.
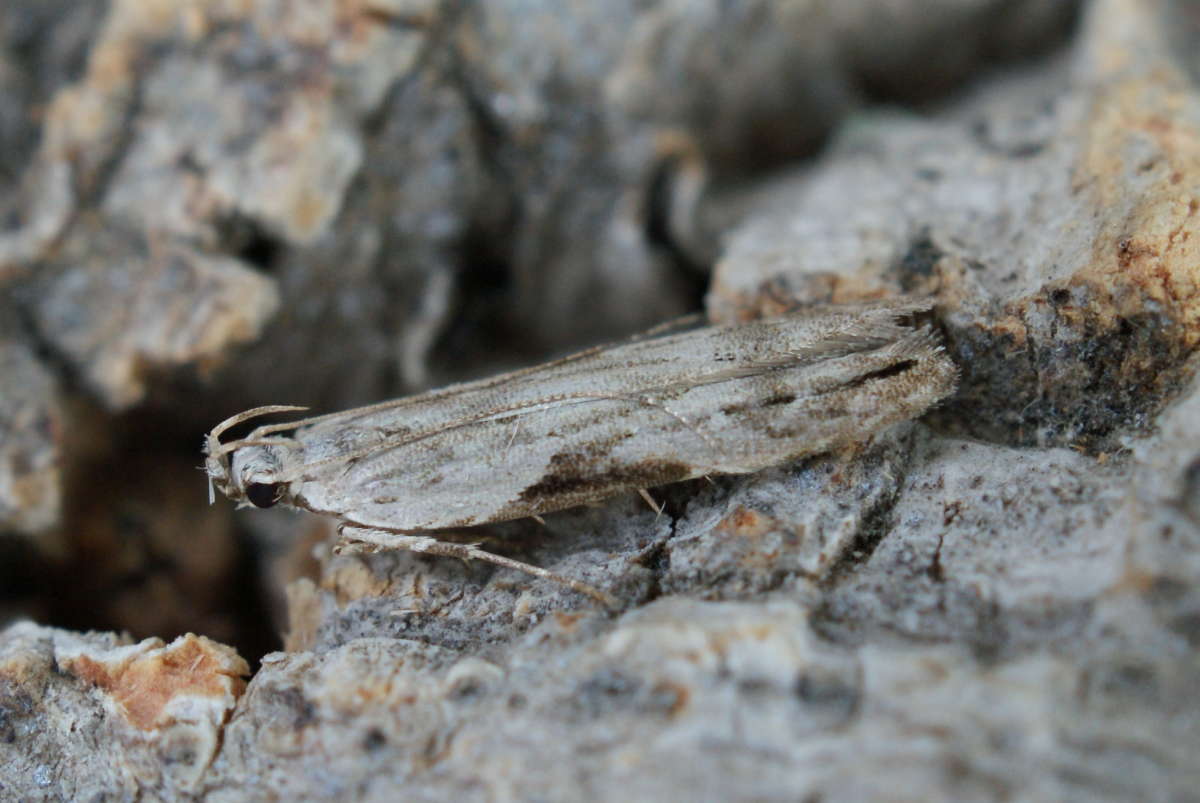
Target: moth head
<point>250,470</point>
<point>256,475</point>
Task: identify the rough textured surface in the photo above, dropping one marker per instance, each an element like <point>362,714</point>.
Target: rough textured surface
<point>43,47</point>
<point>210,205</point>
<point>30,438</point>
<point>83,700</point>
<point>1052,214</point>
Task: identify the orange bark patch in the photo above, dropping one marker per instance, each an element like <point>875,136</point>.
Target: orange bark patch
<point>144,684</point>
<point>745,522</point>
<point>567,621</point>
<point>676,696</point>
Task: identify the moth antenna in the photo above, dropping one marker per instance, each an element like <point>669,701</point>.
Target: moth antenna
<point>233,446</point>
<point>234,420</point>
<point>657,507</point>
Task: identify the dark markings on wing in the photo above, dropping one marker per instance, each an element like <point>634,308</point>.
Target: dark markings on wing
<point>883,373</point>
<point>578,475</point>
<point>771,401</point>
<point>827,349</point>
<point>778,399</point>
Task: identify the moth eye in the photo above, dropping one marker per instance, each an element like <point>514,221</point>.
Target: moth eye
<point>263,494</point>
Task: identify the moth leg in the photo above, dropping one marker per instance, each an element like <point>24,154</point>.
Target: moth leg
<point>369,539</point>
<point>657,507</point>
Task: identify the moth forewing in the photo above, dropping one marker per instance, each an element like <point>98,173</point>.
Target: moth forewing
<point>716,400</point>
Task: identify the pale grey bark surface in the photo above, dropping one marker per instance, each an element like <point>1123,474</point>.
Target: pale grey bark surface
<point>330,203</point>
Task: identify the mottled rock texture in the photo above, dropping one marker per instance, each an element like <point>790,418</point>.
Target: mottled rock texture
<point>96,716</point>
<point>209,205</point>
<point>1051,213</point>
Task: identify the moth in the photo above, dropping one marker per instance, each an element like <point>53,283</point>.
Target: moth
<point>727,399</point>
